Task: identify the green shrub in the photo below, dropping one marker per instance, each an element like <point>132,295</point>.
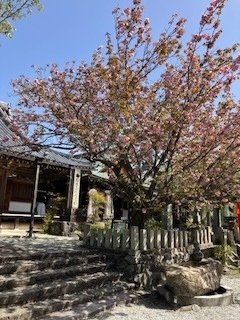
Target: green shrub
<point>48,220</point>
<point>222,253</point>
<point>98,199</point>
<point>152,224</point>
<point>97,225</point>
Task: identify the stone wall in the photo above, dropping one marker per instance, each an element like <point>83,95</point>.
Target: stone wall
<point>145,268</point>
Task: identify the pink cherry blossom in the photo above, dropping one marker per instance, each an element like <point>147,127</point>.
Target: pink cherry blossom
<point>166,103</point>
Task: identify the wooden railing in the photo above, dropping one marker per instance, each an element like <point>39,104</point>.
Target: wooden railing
<point>16,217</point>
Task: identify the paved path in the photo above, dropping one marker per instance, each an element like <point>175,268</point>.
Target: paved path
<point>15,242</point>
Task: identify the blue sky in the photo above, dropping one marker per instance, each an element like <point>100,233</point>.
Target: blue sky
<point>69,30</point>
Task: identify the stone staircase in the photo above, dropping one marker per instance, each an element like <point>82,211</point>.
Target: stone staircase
<point>61,284</point>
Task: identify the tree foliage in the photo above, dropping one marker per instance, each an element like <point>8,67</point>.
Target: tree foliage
<point>11,10</point>
<point>159,113</point>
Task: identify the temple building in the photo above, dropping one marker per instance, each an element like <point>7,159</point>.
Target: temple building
<point>30,176</point>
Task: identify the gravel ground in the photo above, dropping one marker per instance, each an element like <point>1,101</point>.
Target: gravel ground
<point>155,308</point>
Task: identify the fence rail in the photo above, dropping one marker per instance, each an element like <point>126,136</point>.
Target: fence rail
<point>145,239</point>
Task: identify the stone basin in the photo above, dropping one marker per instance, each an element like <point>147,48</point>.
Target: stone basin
<point>223,296</point>
<point>194,278</point>
<point>195,282</point>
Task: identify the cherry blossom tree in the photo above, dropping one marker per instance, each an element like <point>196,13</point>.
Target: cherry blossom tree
<point>12,10</point>
<point>158,113</point>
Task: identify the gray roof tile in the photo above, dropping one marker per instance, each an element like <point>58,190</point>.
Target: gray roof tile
<point>11,143</point>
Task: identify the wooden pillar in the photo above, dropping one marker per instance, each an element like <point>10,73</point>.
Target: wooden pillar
<point>34,200</point>
<point>3,186</point>
<point>70,187</point>
<point>73,193</point>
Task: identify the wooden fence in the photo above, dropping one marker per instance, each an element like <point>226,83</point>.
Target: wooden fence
<point>145,239</point>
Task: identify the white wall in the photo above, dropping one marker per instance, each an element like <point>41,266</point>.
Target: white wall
<point>18,206</point>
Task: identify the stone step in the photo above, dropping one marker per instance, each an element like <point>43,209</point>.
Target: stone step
<point>38,277</point>
<point>26,266</point>
<point>57,288</point>
<point>45,255</point>
<point>87,310</point>
<point>85,300</point>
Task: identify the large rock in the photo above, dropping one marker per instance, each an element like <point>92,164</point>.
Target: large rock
<point>193,279</point>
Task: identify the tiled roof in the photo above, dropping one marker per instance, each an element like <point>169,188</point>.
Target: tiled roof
<point>53,156</point>
<point>11,143</point>
<point>9,140</point>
